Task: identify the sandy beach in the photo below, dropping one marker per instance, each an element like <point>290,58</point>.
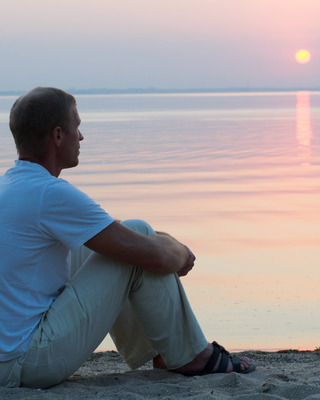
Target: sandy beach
<point>287,374</point>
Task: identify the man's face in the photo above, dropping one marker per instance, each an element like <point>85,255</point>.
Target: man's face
<point>72,139</point>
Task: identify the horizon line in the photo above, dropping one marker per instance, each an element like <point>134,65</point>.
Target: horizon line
<point>153,90</point>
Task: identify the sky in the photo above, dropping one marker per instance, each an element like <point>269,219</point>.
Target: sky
<point>167,44</point>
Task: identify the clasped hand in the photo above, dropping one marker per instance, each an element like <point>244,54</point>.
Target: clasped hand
<point>188,265</point>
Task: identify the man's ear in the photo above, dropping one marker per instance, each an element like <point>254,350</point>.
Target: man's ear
<point>57,135</point>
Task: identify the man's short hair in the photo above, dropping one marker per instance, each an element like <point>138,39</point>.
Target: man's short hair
<point>35,114</point>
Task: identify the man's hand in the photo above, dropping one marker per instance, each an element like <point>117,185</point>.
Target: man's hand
<point>189,264</point>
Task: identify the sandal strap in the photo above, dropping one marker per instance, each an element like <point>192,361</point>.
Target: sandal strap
<point>213,358</point>
<point>236,363</point>
<point>224,361</point>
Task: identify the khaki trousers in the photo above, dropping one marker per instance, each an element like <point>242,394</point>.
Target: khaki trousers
<point>146,315</point>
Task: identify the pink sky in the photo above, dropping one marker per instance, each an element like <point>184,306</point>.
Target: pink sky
<point>162,44</point>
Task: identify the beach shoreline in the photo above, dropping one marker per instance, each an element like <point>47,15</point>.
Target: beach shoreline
<point>285,374</point>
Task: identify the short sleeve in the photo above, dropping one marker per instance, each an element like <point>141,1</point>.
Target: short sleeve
<point>69,215</point>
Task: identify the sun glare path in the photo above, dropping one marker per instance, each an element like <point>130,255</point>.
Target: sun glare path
<point>303,56</point>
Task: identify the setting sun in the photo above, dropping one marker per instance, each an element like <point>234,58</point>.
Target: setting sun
<point>303,56</point>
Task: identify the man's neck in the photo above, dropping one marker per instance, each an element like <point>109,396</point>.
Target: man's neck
<point>45,163</point>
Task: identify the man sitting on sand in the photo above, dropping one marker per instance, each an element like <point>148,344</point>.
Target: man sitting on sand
<point>129,284</point>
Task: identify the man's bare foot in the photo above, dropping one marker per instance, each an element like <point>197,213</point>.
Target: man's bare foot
<point>200,362</point>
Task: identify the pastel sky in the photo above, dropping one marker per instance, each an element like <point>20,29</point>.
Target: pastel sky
<point>163,44</point>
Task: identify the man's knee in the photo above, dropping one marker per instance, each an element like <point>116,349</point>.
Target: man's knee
<point>140,226</point>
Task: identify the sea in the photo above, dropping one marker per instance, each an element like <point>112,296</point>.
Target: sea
<point>235,177</point>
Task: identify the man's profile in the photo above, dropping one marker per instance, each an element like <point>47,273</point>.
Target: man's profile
<point>129,284</point>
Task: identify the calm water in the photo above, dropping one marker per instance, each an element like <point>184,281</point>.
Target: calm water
<point>233,176</point>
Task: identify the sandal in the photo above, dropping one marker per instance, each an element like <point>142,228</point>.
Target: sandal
<point>223,365</point>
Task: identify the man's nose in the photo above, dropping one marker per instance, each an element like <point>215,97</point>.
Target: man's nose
<point>80,136</point>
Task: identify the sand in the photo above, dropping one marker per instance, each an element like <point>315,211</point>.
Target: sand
<point>289,374</point>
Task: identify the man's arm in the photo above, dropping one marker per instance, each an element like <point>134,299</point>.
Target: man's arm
<point>160,254</point>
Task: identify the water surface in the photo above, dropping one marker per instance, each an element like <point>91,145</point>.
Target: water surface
<point>233,176</point>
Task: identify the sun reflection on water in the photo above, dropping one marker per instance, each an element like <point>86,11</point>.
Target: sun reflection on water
<point>304,131</point>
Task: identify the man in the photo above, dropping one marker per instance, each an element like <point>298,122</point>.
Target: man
<point>128,286</point>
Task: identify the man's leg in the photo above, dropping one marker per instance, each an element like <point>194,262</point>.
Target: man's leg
<point>130,339</point>
<point>158,319</point>
<point>127,332</point>
<point>84,313</point>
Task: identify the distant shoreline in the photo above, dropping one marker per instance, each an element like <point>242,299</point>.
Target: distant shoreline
<point>168,91</point>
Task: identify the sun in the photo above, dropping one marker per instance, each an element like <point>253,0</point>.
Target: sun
<point>303,56</point>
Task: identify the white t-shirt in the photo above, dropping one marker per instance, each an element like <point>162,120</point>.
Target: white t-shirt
<point>42,218</point>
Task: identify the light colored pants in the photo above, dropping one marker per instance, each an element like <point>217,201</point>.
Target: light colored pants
<point>146,315</point>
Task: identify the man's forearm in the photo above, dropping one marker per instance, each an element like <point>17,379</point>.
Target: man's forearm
<point>160,254</point>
